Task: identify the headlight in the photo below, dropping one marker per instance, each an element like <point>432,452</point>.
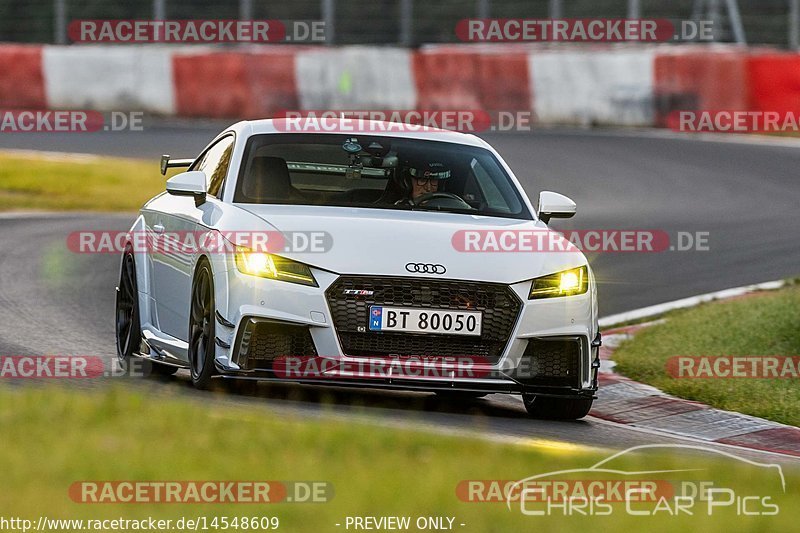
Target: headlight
<point>273,267</point>
<point>564,283</point>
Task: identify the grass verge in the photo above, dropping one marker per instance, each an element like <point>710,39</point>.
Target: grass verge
<point>81,183</point>
<point>760,324</point>
<point>54,437</point>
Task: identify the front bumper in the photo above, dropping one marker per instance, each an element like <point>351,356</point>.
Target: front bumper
<point>551,346</point>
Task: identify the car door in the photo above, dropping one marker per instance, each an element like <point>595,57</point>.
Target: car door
<point>178,217</point>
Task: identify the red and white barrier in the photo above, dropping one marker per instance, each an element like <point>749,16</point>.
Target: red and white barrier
<point>773,82</point>
<point>692,78</point>
<point>455,78</point>
<point>610,85</point>
<point>215,84</point>
<point>109,78</point>
<point>355,77</point>
<point>21,77</point>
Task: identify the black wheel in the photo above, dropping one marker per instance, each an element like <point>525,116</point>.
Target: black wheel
<point>201,328</point>
<point>128,325</point>
<point>556,408</point>
<point>128,329</point>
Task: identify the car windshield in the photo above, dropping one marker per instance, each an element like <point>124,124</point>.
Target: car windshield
<point>376,172</point>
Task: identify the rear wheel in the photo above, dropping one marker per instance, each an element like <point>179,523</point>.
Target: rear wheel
<point>556,408</point>
<point>128,329</point>
<point>202,328</point>
<point>128,325</point>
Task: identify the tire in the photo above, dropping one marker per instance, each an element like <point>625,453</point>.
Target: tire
<point>128,326</point>
<point>551,408</point>
<point>151,368</point>
<point>202,328</point>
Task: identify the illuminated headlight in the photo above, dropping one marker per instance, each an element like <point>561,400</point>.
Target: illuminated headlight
<point>273,267</point>
<point>564,283</point>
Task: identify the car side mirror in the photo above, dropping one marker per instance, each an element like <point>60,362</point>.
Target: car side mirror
<point>554,205</point>
<point>192,183</point>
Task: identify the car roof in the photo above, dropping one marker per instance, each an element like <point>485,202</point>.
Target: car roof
<point>356,126</point>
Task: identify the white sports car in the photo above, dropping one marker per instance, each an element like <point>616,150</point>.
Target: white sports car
<point>360,257</point>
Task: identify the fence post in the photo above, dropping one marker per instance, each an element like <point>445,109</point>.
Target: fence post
<point>328,17</point>
<point>634,9</point>
<point>60,21</point>
<point>406,22</point>
<point>484,9</point>
<point>736,22</point>
<point>245,9</point>
<point>556,11</point>
<point>159,10</point>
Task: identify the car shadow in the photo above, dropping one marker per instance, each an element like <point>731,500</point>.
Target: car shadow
<point>353,398</point>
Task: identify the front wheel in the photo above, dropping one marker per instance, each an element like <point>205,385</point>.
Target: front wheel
<point>556,408</point>
<point>202,328</point>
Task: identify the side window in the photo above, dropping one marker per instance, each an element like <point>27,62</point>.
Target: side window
<point>499,195</point>
<point>215,163</point>
<point>494,200</point>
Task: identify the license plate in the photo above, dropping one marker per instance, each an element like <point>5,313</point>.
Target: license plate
<point>425,320</point>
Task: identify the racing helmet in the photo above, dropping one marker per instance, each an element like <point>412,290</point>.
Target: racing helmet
<point>434,170</point>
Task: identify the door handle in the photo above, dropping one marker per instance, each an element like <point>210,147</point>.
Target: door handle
<point>158,228</point>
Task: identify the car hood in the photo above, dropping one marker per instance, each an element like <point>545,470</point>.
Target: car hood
<point>383,242</point>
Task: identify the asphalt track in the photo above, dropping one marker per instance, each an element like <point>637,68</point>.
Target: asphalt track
<point>746,196</point>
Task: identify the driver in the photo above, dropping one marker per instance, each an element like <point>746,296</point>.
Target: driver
<point>423,179</point>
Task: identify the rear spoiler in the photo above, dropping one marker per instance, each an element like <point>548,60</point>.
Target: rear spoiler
<point>175,163</point>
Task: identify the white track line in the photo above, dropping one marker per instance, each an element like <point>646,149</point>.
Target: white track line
<point>660,309</point>
<point>66,157</point>
<point>662,133</point>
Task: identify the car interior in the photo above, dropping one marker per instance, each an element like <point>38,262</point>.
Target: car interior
<point>348,174</point>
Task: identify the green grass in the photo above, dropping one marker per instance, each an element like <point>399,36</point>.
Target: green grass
<point>82,184</point>
<point>761,324</point>
<point>54,437</point>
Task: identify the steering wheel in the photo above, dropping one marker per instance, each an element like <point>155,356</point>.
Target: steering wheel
<point>440,195</point>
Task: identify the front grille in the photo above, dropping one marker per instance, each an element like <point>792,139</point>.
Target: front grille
<point>350,313</point>
<point>262,342</point>
<point>551,362</point>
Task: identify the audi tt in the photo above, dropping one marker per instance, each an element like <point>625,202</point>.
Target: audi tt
<point>341,256</point>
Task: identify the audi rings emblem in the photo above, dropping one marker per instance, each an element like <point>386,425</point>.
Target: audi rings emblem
<point>425,268</point>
